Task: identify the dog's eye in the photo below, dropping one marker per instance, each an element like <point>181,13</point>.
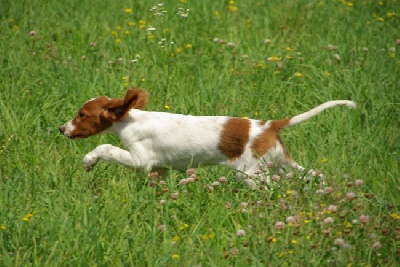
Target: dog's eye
<point>81,115</point>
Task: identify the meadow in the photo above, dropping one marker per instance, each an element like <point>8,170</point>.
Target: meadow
<point>256,59</point>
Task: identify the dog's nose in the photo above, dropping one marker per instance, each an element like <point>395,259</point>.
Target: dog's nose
<point>62,129</point>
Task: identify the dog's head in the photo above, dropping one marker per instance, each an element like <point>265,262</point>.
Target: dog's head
<point>99,114</point>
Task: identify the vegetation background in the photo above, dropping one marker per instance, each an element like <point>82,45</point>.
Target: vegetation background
<point>258,59</point>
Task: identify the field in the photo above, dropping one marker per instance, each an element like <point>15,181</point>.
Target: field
<point>256,59</point>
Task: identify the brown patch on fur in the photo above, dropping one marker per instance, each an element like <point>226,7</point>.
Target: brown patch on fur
<point>267,139</point>
<point>99,114</point>
<point>117,109</point>
<point>234,137</point>
<point>89,120</point>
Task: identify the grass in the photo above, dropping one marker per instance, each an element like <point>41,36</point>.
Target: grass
<point>240,58</point>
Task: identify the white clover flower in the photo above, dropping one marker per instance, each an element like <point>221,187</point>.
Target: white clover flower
<point>240,233</point>
<point>216,183</point>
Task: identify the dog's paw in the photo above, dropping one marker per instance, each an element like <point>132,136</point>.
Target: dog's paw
<point>89,161</point>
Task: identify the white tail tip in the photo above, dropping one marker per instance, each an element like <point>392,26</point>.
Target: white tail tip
<point>311,113</point>
<point>351,104</point>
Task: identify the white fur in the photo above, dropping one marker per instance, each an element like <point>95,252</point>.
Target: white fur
<point>311,113</point>
<point>69,127</point>
<point>158,140</point>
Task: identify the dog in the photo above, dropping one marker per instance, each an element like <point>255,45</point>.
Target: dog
<point>159,141</point>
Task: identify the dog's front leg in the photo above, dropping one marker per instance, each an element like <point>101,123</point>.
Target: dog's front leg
<point>111,154</point>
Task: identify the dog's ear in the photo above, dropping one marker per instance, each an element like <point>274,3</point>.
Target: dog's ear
<point>135,98</point>
<point>116,109</point>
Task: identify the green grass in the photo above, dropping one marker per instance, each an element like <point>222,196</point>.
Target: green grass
<point>53,213</point>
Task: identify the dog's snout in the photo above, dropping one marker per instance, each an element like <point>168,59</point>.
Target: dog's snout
<point>62,129</point>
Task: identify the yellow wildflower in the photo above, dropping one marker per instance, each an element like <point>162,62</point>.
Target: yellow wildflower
<point>131,23</point>
<point>204,237</point>
<point>349,4</point>
<point>294,241</point>
<point>27,217</point>
<point>176,238</point>
<point>261,65</point>
<point>118,40</point>
<point>150,36</point>
<point>390,14</point>
<point>128,10</point>
<point>324,160</point>
<point>217,13</point>
<point>3,227</point>
<point>175,256</point>
<point>395,216</point>
<point>298,74</point>
<point>233,8</point>
<point>114,33</point>
<point>273,58</point>
<point>183,227</point>
<point>188,46</point>
<point>179,50</point>
<point>380,19</point>
<point>142,23</point>
<point>166,107</point>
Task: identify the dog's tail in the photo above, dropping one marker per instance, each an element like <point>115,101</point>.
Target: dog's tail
<point>278,124</point>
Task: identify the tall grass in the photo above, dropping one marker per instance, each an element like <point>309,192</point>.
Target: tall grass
<point>258,59</point>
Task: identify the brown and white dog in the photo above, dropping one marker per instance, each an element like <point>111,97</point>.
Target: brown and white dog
<point>157,141</point>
